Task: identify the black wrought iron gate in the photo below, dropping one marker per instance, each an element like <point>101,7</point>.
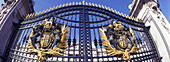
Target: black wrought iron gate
<point>84,41</point>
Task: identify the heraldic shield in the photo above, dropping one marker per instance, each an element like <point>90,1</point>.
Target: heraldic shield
<point>47,39</point>
<point>119,40</point>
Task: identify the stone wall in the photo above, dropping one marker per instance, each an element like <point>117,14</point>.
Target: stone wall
<point>10,14</point>
<point>151,15</point>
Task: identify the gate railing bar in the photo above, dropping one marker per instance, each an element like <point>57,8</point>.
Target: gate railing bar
<point>89,43</point>
<point>19,42</point>
<point>26,57</point>
<point>15,59</point>
<point>145,46</point>
<point>59,21</point>
<point>142,44</point>
<point>115,16</point>
<point>99,40</point>
<point>70,39</point>
<point>32,21</point>
<point>139,43</point>
<point>95,40</point>
<point>151,51</point>
<point>29,31</point>
<point>74,40</point>
<point>63,23</point>
<point>80,16</point>
<point>105,24</point>
<point>82,27</point>
<point>84,35</point>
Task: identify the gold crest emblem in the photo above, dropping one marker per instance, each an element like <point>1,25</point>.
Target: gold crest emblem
<point>52,40</point>
<point>119,40</point>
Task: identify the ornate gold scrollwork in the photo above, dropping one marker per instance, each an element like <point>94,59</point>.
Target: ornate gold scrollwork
<point>122,38</point>
<point>52,40</point>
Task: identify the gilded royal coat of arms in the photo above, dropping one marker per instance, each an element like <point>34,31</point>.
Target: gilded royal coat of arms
<point>47,39</point>
<point>119,40</point>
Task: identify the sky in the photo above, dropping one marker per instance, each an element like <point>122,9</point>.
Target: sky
<point>119,5</point>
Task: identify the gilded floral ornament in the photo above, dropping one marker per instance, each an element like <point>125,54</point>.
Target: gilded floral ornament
<point>52,40</point>
<point>122,38</point>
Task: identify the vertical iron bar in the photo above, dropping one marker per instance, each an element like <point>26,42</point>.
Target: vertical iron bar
<point>84,37</point>
<point>100,41</point>
<point>74,40</point>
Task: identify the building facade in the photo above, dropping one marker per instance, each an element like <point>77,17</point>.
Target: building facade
<point>10,14</point>
<point>149,12</point>
<point>84,21</point>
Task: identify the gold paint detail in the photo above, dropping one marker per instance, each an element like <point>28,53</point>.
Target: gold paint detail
<point>89,4</point>
<point>50,50</point>
<point>111,51</point>
<point>79,3</point>
<point>84,3</point>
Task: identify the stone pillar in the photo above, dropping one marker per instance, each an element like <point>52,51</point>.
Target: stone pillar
<point>11,13</point>
<point>151,15</point>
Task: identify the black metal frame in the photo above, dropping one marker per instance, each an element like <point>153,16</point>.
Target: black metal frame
<point>84,22</point>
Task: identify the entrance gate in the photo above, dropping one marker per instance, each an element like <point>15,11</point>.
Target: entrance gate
<point>84,21</point>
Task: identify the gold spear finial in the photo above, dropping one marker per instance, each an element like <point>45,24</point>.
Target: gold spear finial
<point>89,4</point>
<point>70,4</point>
<point>96,5</point>
<point>66,4</point>
<point>39,13</point>
<point>46,11</point>
<point>31,14</point>
<point>83,2</point>
<point>102,6</point>
<point>50,9</point>
<point>79,3</point>
<point>109,8</point>
<point>53,8</point>
<point>115,11</point>
<point>122,14</point>
<point>99,6</point>
<point>60,6</point>
<point>106,7</point>
<point>119,13</point>
<point>73,3</point>
<point>92,4</point>
<point>63,5</point>
<point>132,18</point>
<point>35,13</point>
<point>42,12</point>
<point>125,15</point>
<point>112,10</point>
<point>129,17</point>
<point>86,3</point>
<point>27,16</point>
<point>56,7</point>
